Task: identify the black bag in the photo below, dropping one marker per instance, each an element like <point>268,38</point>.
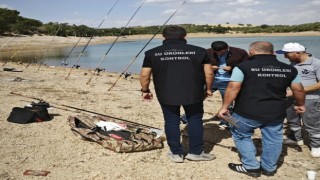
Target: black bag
<point>37,112</point>
<point>21,116</point>
<point>41,110</point>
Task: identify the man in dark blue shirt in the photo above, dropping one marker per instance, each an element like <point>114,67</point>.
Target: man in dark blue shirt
<point>223,59</point>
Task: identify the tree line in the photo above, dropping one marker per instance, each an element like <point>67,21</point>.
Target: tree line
<point>12,23</point>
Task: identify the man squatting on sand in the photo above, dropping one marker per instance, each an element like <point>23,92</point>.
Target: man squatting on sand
<point>180,72</point>
<point>309,71</point>
<point>259,89</point>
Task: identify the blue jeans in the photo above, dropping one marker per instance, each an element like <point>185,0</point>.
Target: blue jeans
<point>194,114</point>
<point>221,86</point>
<point>271,142</point>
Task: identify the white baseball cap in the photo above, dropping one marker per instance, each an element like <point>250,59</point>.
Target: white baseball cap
<point>291,47</point>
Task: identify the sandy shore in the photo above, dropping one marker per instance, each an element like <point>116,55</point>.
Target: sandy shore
<point>41,43</point>
<point>53,147</point>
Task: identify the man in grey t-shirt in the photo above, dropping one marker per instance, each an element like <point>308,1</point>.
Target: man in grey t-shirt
<point>309,71</point>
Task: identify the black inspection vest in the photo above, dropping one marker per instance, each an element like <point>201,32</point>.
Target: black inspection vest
<point>263,90</point>
<point>177,70</point>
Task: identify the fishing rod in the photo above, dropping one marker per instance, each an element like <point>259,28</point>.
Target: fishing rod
<point>75,111</point>
<point>64,63</point>
<point>84,110</point>
<point>7,42</point>
<point>14,54</point>
<point>105,55</point>
<point>84,48</point>
<point>48,47</point>
<point>126,69</point>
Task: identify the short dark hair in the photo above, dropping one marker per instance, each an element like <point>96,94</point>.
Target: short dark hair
<point>174,32</point>
<point>219,45</point>
<point>262,47</point>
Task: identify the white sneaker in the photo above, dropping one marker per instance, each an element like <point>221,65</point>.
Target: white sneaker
<point>315,152</point>
<point>300,142</point>
<point>201,157</point>
<point>177,158</point>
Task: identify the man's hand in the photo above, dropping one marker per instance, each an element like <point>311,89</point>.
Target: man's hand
<point>215,68</point>
<point>227,68</point>
<point>208,93</point>
<point>299,109</point>
<point>147,96</point>
<point>289,93</point>
<point>223,112</point>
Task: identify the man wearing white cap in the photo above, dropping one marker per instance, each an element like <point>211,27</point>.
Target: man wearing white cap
<point>309,70</point>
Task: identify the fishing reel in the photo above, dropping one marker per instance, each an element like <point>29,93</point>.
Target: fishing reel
<point>98,70</point>
<point>76,66</point>
<point>64,63</point>
<point>126,75</point>
<point>40,103</point>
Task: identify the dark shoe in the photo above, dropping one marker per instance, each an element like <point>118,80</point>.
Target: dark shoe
<point>293,142</point>
<point>250,172</point>
<point>267,173</point>
<point>215,118</point>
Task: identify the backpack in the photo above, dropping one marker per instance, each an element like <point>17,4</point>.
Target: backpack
<point>37,112</point>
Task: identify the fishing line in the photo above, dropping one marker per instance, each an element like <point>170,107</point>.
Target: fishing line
<point>14,54</point>
<point>105,55</point>
<point>48,47</point>
<point>64,62</point>
<point>76,61</point>
<point>126,69</point>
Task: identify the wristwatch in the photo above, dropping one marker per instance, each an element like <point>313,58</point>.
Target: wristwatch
<point>145,91</point>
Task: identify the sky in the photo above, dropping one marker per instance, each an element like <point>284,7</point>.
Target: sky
<point>155,12</point>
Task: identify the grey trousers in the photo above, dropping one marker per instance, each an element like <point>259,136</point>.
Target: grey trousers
<point>310,120</point>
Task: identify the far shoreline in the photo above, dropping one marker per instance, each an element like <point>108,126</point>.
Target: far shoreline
<point>36,42</point>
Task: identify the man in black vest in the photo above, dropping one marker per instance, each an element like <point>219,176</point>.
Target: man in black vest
<point>259,90</point>
<point>182,76</point>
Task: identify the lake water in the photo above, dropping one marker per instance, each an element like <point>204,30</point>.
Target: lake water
<point>122,53</point>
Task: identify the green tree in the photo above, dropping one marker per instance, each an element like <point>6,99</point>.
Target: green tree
<point>264,26</point>
<point>83,31</point>
<point>7,19</point>
<point>63,31</point>
<point>26,26</point>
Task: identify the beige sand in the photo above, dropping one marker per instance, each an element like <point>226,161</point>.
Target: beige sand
<point>52,146</point>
